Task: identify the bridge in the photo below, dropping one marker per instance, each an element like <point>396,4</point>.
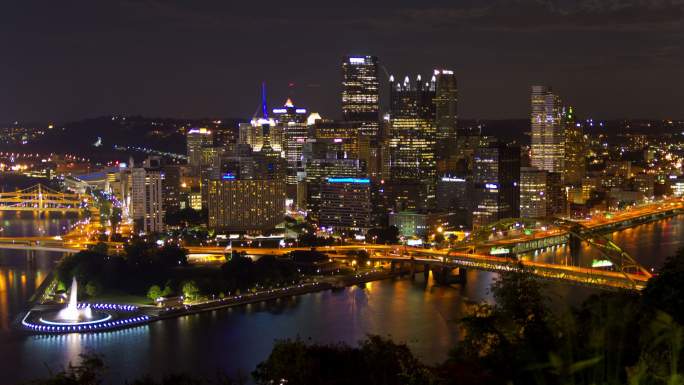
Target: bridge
<point>40,198</point>
<point>559,230</point>
<point>627,273</point>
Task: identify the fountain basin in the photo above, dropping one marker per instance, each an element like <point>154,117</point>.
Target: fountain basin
<point>103,317</point>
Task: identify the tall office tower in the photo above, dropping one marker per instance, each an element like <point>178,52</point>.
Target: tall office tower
<point>249,193</point>
<point>575,149</point>
<point>260,131</point>
<point>533,194</point>
<point>496,176</point>
<point>548,145</point>
<point>209,169</point>
<point>324,158</point>
<point>346,205</point>
<point>197,138</point>
<point>346,138</point>
<point>249,205</point>
<point>446,113</point>
<point>361,93</point>
<point>411,139</point>
<point>171,187</point>
<point>293,123</point>
<point>146,197</point>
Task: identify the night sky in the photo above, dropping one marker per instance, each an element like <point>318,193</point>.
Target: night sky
<point>67,60</point>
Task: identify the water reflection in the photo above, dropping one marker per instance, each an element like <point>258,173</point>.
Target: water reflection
<point>234,340</point>
<point>650,244</point>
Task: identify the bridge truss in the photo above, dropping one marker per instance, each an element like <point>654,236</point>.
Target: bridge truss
<point>40,198</point>
<point>621,260</point>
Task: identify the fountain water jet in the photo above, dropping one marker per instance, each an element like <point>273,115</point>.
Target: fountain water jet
<point>71,312</point>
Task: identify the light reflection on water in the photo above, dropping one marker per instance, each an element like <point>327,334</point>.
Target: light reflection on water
<point>650,244</point>
<point>236,339</point>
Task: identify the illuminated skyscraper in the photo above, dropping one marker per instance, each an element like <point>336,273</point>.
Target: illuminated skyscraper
<point>292,121</point>
<point>575,149</point>
<point>548,145</point>
<point>496,176</point>
<point>346,204</point>
<point>446,114</point>
<point>146,198</point>
<point>249,205</point>
<point>197,138</point>
<point>361,93</point>
<point>412,133</point>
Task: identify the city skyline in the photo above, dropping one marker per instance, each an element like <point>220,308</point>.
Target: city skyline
<point>592,56</point>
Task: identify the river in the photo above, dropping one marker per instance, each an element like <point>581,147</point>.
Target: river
<point>234,340</point>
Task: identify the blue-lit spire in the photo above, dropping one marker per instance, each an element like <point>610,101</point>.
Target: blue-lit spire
<point>264,108</point>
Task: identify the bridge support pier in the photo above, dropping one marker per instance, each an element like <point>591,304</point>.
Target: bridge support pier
<point>445,275</point>
<point>426,272</point>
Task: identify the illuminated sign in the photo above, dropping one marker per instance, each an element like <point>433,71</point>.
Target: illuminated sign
<point>357,60</point>
<point>199,131</point>
<point>491,185</point>
<point>301,110</point>
<point>228,177</point>
<point>279,111</point>
<point>499,251</point>
<point>348,180</point>
<point>449,179</point>
<point>601,263</point>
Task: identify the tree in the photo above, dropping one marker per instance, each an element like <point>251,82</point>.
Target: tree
<point>374,361</point>
<point>190,290</point>
<point>383,235</point>
<point>114,220</point>
<point>100,248</point>
<point>513,335</point>
<point>88,372</point>
<point>93,289</point>
<point>154,292</point>
<point>666,290</point>
<point>171,255</point>
<point>439,239</point>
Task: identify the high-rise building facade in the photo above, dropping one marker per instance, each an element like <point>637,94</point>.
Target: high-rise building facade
<point>446,112</point>
<point>411,139</point>
<point>197,138</point>
<point>293,123</point>
<point>246,205</point>
<point>496,178</point>
<point>541,193</point>
<point>146,197</point>
<point>532,192</point>
<point>548,144</point>
<point>361,93</point>
<point>171,186</point>
<point>324,158</point>
<point>575,149</point>
<point>346,204</point>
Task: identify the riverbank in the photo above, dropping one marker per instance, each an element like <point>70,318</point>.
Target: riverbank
<point>273,294</point>
<point>153,314</point>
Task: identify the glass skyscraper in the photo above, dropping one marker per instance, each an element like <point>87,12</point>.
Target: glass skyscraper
<point>361,93</point>
<point>548,145</point>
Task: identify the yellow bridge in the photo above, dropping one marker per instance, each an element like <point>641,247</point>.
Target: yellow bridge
<point>40,198</point>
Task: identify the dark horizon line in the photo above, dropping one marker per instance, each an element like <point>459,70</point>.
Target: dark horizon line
<point>69,121</point>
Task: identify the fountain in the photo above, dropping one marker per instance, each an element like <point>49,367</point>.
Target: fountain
<point>71,312</point>
<point>83,317</point>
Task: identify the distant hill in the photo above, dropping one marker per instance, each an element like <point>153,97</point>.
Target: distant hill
<point>95,138</point>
